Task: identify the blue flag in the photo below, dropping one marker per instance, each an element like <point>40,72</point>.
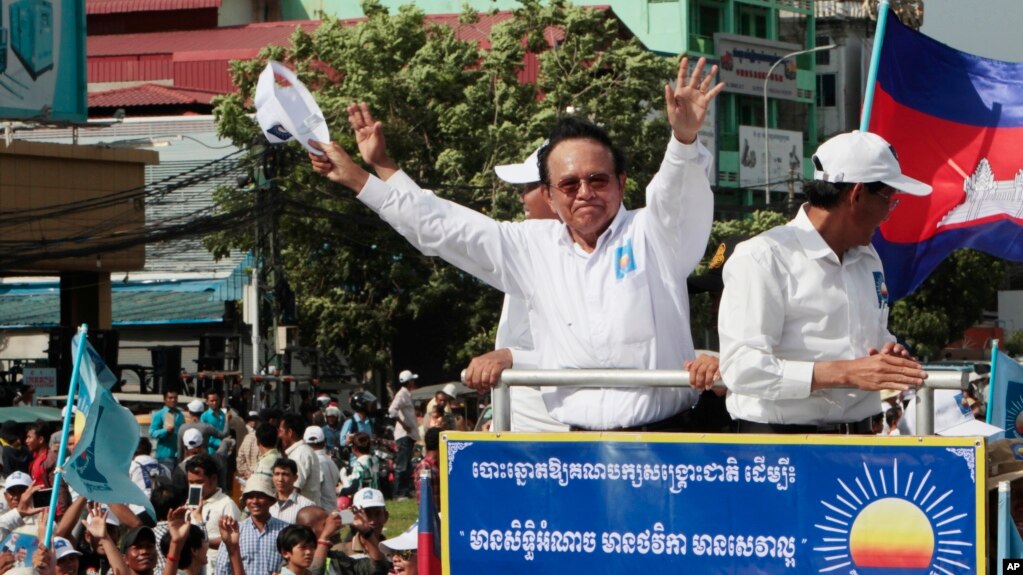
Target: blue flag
<point>1005,396</point>
<point>98,467</point>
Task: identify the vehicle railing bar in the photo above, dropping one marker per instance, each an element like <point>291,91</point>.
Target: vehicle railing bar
<point>501,398</point>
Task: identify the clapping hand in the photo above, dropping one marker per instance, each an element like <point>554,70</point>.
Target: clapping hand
<point>229,533</point>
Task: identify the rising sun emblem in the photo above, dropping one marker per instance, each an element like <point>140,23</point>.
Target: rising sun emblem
<point>878,522</point>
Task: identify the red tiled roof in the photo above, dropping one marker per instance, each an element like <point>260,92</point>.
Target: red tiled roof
<point>125,6</point>
<point>232,42</point>
<point>149,95</point>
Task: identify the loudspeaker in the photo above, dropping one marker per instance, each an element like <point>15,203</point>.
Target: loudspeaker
<point>166,368</point>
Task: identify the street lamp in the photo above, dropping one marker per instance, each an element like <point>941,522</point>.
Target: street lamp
<point>767,153</point>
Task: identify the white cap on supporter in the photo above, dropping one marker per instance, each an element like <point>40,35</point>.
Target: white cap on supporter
<point>404,542</point>
<point>406,376</point>
<point>313,434</point>
<point>863,157</point>
<point>196,406</point>
<point>951,417</point>
<point>368,497</point>
<point>18,479</point>
<point>191,438</point>
<point>62,548</point>
<point>528,172</point>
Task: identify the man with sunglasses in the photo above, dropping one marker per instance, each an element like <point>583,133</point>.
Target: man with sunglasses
<point>606,285</point>
<point>805,346</point>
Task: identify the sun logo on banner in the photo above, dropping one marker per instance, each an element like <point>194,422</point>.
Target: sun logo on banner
<point>1013,409</point>
<point>884,522</point>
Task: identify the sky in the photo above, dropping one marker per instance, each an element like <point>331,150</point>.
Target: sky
<point>989,28</point>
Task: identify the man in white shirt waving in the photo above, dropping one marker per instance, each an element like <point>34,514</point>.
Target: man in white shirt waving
<point>606,284</point>
<point>805,346</point>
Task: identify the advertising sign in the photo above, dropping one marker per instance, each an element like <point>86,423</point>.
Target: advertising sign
<point>44,379</point>
<point>725,504</point>
<point>42,60</point>
<point>785,155</point>
<point>708,136</point>
<point>745,61</point>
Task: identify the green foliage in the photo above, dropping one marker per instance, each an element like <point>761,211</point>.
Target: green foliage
<point>451,112</point>
<point>952,299</point>
<point>1013,344</point>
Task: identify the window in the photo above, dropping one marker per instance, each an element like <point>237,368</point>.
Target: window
<point>708,18</point>
<point>824,56</point>
<point>751,20</point>
<point>826,91</point>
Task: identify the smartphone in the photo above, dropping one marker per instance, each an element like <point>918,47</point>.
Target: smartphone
<point>41,498</point>
<point>347,516</point>
<point>194,495</point>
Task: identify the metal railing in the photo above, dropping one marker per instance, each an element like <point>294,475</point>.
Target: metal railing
<point>584,378</point>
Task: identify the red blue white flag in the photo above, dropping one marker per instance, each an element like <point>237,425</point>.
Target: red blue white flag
<point>429,528</point>
<point>956,122</point>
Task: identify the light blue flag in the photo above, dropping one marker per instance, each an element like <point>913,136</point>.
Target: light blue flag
<point>1005,396</point>
<point>98,467</point>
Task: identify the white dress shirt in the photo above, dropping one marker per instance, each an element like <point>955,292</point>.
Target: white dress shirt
<point>624,305</point>
<point>528,410</point>
<point>308,481</point>
<point>788,303</point>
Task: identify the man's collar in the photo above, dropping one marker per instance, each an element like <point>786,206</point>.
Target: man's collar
<point>616,222</point>
<point>809,238</point>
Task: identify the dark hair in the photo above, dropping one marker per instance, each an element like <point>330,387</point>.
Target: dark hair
<point>295,423</point>
<point>270,413</point>
<point>192,542</point>
<point>825,195</point>
<point>165,498</point>
<point>293,535</point>
<point>285,463</point>
<point>202,462</point>
<point>266,435</point>
<point>891,416</point>
<point>432,439</point>
<point>362,441</point>
<point>145,446</point>
<point>572,128</point>
<point>213,392</point>
<point>166,391</point>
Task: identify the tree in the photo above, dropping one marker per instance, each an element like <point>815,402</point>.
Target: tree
<point>451,112</point>
<point>952,299</point>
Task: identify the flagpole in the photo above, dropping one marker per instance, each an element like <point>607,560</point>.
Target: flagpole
<point>991,379</point>
<point>83,332</point>
<point>875,62</point>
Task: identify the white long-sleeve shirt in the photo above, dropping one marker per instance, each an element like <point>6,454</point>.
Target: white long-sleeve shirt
<point>528,410</point>
<point>788,303</point>
<point>624,305</point>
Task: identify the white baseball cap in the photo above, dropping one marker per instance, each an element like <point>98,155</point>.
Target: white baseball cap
<point>62,548</point>
<point>18,479</point>
<point>313,434</point>
<point>449,390</point>
<point>285,112</point>
<point>404,542</point>
<point>368,497</point>
<point>951,417</point>
<point>528,172</point>
<point>863,157</point>
<point>192,438</point>
<point>196,406</point>
<point>407,375</point>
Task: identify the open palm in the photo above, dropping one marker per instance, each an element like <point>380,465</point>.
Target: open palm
<point>687,104</point>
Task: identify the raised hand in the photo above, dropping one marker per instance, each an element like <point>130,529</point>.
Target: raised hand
<point>369,135</point>
<point>687,104</point>
<point>229,533</point>
<point>25,508</point>
<point>7,562</point>
<point>96,521</point>
<point>177,524</point>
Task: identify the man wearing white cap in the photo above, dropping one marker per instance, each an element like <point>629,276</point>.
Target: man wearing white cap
<point>18,492</point>
<point>254,541</point>
<point>329,473</point>
<point>513,343</point>
<point>805,346</point>
<point>403,550</point>
<point>406,432</point>
<point>66,555</point>
<point>193,413</point>
<point>443,398</point>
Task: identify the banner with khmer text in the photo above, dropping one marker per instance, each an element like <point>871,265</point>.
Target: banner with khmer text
<point>729,504</point>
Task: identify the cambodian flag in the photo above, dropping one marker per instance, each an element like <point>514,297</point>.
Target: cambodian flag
<point>956,122</point>
<point>429,528</point>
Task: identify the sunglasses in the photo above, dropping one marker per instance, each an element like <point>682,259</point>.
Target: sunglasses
<point>597,182</point>
<point>406,554</point>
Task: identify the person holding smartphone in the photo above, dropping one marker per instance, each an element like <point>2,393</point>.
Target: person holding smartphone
<point>328,560</point>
